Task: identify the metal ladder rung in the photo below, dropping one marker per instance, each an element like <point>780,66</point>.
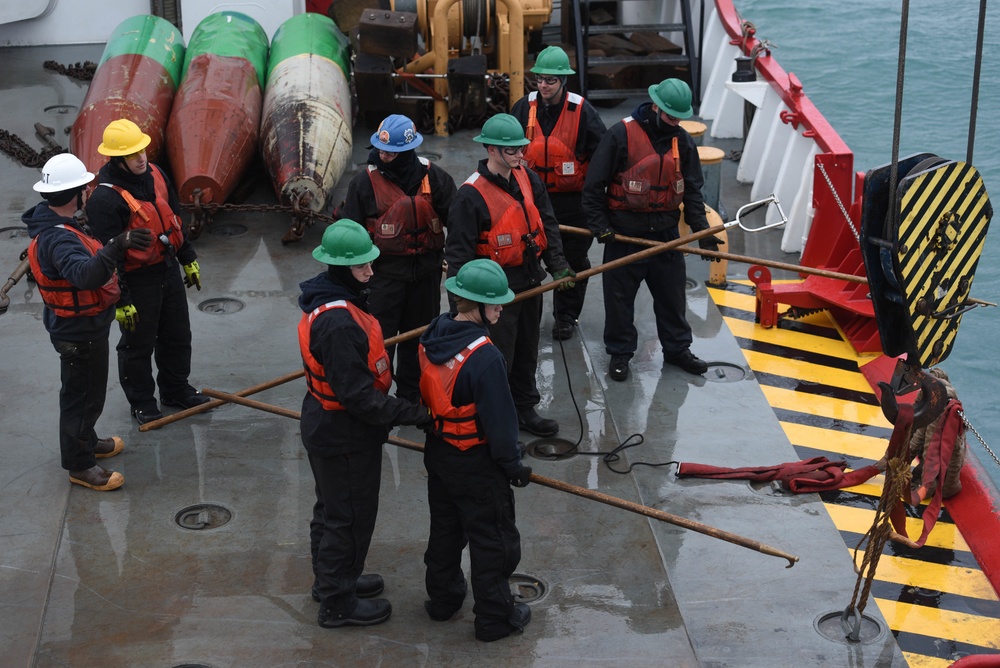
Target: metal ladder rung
<point>616,93</point>
<point>620,29</point>
<point>653,58</point>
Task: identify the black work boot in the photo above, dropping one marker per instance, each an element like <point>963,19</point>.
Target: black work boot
<point>518,619</point>
<point>368,612</point>
<point>618,368</point>
<point>687,361</point>
<point>533,423</point>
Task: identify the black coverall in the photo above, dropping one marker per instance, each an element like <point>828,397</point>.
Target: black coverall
<point>517,332</point>
<point>664,273</point>
<point>344,446</point>
<point>81,341</point>
<point>163,327</point>
<point>406,289</point>
<point>469,495</point>
<point>568,207</point>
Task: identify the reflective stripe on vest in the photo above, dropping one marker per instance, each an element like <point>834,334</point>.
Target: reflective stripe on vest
<point>378,359</point>
<point>553,157</point>
<point>510,221</point>
<point>457,425</point>
<point>62,297</point>
<point>404,225</point>
<point>650,181</point>
<point>157,216</point>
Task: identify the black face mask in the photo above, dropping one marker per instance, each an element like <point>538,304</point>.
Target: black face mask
<point>344,276</point>
<point>405,169</point>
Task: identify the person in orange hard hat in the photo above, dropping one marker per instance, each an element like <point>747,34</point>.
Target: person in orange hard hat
<point>153,310</point>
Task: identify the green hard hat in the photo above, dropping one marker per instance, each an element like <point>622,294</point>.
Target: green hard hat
<point>481,281</point>
<point>672,96</point>
<point>346,243</point>
<point>552,60</point>
<point>502,130</point>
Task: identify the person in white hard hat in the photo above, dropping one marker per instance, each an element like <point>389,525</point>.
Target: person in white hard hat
<point>79,286</point>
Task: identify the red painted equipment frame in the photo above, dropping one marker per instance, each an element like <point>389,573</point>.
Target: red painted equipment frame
<point>831,243</point>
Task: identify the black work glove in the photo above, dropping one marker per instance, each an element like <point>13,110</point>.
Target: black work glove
<point>522,477</point>
<point>425,423</point>
<point>140,239</point>
<point>712,243</point>
<point>606,236</point>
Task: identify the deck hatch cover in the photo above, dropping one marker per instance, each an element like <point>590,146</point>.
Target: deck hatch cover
<point>202,517</point>
<point>221,306</point>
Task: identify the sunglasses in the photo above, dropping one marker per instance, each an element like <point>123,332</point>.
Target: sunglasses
<point>550,81</point>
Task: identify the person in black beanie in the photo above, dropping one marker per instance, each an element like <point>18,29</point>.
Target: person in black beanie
<point>403,201</point>
<point>153,310</point>
<point>346,417</point>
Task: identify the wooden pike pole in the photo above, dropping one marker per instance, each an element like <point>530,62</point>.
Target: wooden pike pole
<point>746,259</point>
<point>405,336</point>
<point>552,483</point>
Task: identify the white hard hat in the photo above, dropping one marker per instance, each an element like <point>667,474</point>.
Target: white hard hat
<point>63,172</point>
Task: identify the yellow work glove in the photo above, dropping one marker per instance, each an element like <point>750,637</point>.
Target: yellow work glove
<point>192,274</point>
<point>127,316</point>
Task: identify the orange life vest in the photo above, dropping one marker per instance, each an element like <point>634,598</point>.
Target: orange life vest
<point>378,358</point>
<point>458,425</point>
<point>158,217</point>
<point>553,157</point>
<point>650,181</point>
<point>62,297</point>
<point>404,225</point>
<point>511,221</point>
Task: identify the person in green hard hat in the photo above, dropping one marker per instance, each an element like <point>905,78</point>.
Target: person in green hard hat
<point>564,130</point>
<point>472,456</point>
<point>645,167</point>
<point>502,212</point>
<point>346,417</point>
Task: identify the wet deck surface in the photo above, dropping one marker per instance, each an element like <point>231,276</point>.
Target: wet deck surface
<point>91,579</point>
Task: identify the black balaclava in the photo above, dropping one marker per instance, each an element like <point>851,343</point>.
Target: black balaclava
<point>344,276</point>
<point>64,197</point>
<point>405,169</point>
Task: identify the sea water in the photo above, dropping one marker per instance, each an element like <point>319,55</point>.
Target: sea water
<point>845,53</point>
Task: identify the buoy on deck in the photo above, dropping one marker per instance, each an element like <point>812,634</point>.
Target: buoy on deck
<point>135,79</point>
<point>305,135</point>
<point>215,120</point>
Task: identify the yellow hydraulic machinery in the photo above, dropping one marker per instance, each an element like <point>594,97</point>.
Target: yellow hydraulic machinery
<point>464,42</point>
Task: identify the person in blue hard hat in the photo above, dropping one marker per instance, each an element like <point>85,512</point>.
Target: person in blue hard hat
<point>564,130</point>
<point>644,169</point>
<point>502,212</point>
<point>402,199</point>
<point>472,456</point>
<point>346,417</point>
